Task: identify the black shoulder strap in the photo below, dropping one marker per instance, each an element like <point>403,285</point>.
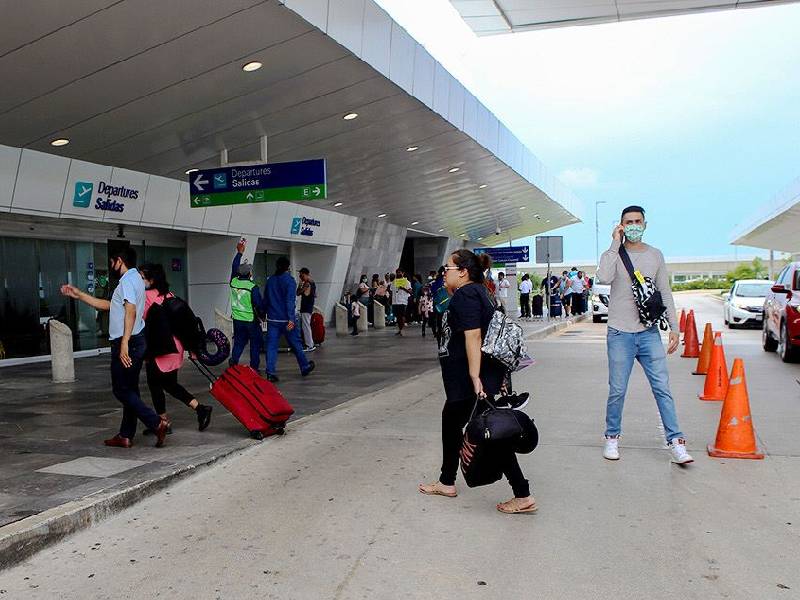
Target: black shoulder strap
<point>626,260</point>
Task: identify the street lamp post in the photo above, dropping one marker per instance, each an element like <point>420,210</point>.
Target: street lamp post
<point>597,234</point>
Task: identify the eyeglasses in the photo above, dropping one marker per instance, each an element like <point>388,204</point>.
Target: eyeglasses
<point>449,268</point>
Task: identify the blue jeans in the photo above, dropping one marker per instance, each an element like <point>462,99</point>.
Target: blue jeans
<point>274,332</point>
<point>125,386</point>
<point>647,348</point>
<point>243,332</point>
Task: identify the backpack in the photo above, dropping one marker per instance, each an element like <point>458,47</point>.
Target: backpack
<point>158,333</point>
<point>441,300</point>
<point>504,340</point>
<point>184,324</point>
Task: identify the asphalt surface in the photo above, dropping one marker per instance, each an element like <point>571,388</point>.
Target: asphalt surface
<point>331,510</point>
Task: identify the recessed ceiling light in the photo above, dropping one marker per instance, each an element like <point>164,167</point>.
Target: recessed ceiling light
<point>522,207</point>
<point>482,186</point>
<point>415,223</point>
<point>252,66</point>
<point>350,116</point>
<point>548,220</point>
<point>337,205</point>
<point>382,215</point>
<point>441,230</point>
<point>454,170</point>
<point>188,171</point>
<point>536,217</point>
<point>60,142</point>
<point>412,148</point>
<point>480,238</point>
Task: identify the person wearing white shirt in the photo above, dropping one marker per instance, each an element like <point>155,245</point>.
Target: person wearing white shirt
<point>525,289</point>
<point>503,286</point>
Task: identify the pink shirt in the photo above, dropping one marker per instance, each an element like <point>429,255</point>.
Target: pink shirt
<point>166,362</point>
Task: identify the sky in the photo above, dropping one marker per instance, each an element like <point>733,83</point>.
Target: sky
<point>695,117</point>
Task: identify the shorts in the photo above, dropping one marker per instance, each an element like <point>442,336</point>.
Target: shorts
<point>399,310</point>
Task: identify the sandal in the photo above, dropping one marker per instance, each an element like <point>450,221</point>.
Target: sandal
<point>435,489</point>
<point>510,508</point>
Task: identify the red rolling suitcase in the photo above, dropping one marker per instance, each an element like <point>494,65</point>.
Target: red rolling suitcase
<point>317,328</point>
<point>254,401</point>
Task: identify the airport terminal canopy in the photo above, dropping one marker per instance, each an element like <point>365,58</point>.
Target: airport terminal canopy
<point>491,17</point>
<point>776,226</point>
<point>159,87</point>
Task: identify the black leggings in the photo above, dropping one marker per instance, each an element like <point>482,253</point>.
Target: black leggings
<point>160,382</point>
<point>455,416</point>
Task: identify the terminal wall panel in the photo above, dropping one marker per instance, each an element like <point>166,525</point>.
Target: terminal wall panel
<point>456,111</point>
<point>401,61</point>
<point>217,219</point>
<point>377,40</point>
<point>40,183</point>
<point>209,268</point>
<point>441,90</point>
<point>161,201</point>
<point>133,208</point>
<point>424,74</point>
<point>254,219</point>
<point>186,217</point>
<point>470,115</point>
<point>313,11</point>
<point>346,23</point>
<point>9,165</point>
<point>81,192</point>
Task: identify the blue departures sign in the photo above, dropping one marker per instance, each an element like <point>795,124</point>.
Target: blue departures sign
<point>509,254</point>
<point>275,182</point>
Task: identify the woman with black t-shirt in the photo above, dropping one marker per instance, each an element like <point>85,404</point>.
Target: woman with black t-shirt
<point>468,375</point>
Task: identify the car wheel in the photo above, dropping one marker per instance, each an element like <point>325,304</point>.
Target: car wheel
<point>767,342</point>
<point>786,351</point>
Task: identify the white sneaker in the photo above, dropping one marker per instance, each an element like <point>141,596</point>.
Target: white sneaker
<point>679,454</point>
<point>611,449</point>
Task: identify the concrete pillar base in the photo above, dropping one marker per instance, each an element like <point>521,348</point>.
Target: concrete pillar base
<point>61,352</point>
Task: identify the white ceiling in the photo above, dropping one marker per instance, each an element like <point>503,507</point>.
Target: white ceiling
<point>157,87</point>
<point>777,224</point>
<point>490,17</point>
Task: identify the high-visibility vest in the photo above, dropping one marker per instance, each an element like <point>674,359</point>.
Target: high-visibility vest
<point>242,299</point>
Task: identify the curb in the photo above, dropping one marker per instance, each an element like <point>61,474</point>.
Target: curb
<point>24,538</point>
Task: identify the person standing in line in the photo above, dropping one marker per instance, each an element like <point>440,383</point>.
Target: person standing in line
<point>245,305</point>
<point>426,310</point>
<point>629,340</point>
<point>578,287</point>
<point>162,371</point>
<point>401,293</point>
<point>566,293</point>
<point>525,289</point>
<point>503,285</point>
<point>128,346</point>
<point>279,306</point>
<point>416,287</point>
<point>469,376</point>
<point>307,291</point>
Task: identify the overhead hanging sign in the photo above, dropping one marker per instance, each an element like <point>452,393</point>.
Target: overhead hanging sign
<point>508,254</point>
<point>272,182</point>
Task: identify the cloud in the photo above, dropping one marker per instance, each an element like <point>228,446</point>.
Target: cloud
<point>579,178</point>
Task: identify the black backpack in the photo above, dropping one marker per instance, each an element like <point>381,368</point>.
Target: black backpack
<point>157,332</point>
<point>184,324</point>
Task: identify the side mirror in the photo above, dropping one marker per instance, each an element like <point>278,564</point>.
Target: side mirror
<point>780,289</point>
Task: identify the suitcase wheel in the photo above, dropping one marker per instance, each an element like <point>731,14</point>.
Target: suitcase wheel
<point>280,431</point>
<point>256,435</point>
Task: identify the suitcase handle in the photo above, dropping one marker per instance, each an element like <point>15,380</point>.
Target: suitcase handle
<point>208,373</point>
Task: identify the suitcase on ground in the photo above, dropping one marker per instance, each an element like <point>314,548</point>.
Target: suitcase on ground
<point>536,305</point>
<point>317,329</point>
<point>254,401</point>
<point>555,306</point>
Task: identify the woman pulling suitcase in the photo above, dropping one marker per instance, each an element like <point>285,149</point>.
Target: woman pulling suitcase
<point>469,376</point>
<point>165,351</point>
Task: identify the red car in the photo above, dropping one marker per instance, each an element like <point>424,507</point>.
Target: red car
<point>782,315</point>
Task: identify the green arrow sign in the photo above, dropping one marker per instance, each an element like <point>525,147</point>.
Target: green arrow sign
<point>285,194</point>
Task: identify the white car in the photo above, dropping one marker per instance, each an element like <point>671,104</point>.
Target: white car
<point>600,294</point>
<point>744,304</point>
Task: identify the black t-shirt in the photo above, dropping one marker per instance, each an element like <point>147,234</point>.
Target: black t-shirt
<point>469,308</point>
<point>307,302</point>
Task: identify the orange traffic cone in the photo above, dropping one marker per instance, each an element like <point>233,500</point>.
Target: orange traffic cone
<point>735,435</point>
<point>717,378</point>
<point>705,351</point>
<point>692,348</point>
<point>682,327</point>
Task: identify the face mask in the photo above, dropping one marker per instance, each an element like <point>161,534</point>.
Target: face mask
<point>634,233</point>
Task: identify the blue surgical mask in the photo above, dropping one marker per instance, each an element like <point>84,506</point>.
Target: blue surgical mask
<point>634,233</point>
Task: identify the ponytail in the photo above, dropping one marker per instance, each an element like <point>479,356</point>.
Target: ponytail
<point>475,264</point>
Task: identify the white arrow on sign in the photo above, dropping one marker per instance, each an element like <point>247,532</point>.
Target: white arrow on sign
<point>199,182</point>
<point>249,195</point>
<point>317,191</point>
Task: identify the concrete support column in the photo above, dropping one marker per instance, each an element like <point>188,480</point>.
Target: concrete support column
<point>379,314</point>
<point>363,319</point>
<point>342,326</point>
<point>62,357</point>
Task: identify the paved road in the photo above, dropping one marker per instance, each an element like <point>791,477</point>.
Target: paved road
<point>331,512</point>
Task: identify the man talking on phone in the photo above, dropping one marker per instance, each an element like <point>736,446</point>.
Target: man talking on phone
<point>629,339</point>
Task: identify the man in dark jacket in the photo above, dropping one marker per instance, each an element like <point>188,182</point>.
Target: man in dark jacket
<point>279,306</point>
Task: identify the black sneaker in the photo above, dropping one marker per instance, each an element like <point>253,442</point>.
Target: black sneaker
<point>203,416</point>
<point>272,378</point>
<point>514,401</point>
<point>311,366</point>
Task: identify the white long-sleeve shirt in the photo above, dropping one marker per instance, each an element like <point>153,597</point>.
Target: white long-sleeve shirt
<point>622,312</point>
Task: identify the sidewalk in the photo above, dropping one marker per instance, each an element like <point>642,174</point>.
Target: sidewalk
<point>56,474</point>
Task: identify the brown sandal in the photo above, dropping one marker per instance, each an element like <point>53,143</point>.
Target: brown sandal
<point>435,489</point>
<point>504,508</point>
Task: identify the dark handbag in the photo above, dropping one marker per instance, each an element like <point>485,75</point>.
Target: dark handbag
<point>646,295</point>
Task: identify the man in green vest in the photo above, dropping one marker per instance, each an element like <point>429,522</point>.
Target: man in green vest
<point>245,308</point>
